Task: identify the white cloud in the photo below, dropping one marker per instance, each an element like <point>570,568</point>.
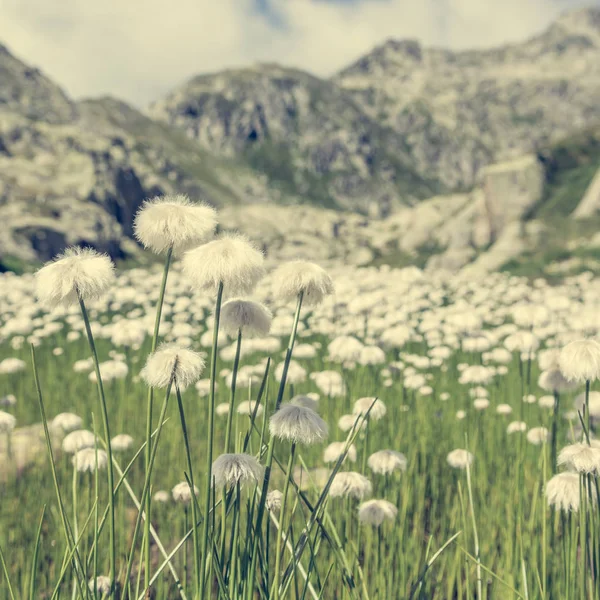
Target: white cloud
<point>138,49</point>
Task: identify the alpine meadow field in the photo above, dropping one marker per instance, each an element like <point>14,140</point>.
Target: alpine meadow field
<point>223,426</point>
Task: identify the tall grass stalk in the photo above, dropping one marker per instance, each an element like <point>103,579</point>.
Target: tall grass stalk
<point>109,466</point>
<point>210,442</point>
<point>149,406</point>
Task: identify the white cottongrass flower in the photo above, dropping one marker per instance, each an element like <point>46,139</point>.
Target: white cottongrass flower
<point>85,459</point>
<point>375,512</point>
<point>232,469</point>
<point>529,399</point>
<point>222,409</point>
<point>579,361</point>
<point>336,449</point>
<point>546,401</point>
<point>504,409</point>
<point>459,458</point>
<point>103,585</point>
<point>305,401</point>
<point>172,363</point>
<point>580,457</point>
<point>173,221</point>
<point>304,277</point>
<point>563,492</point>
<point>362,405</point>
<point>251,318</point>
<point>537,435</point>
<point>481,403</point>
<point>110,370</point>
<point>77,440</point>
<point>295,374</point>
<point>385,462</point>
<point>162,496</point>
<point>298,425</point>
<point>553,380</point>
<point>78,272</point>
<point>67,422</point>
<point>121,442</point>
<point>231,260</point>
<point>7,422</point>
<point>273,502</point>
<point>247,408</point>
<point>347,422</point>
<point>351,484</point>
<point>181,492</point>
<point>461,414</point>
<point>516,427</point>
<point>8,400</point>
<point>11,365</point>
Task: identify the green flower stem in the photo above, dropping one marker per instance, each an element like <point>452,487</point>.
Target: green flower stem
<point>271,449</point>
<point>109,467</point>
<point>554,441</point>
<point>286,487</point>
<point>236,363</point>
<point>149,404</point>
<point>147,483</point>
<point>188,454</point>
<point>211,432</point>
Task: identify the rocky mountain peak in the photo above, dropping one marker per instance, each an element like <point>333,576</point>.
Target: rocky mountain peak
<point>25,90</point>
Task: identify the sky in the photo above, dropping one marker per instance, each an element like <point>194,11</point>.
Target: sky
<point>137,50</point>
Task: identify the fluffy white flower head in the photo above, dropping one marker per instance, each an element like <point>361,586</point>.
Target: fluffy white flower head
<point>375,512</point>
<point>77,272</point>
<point>562,492</point>
<point>7,422</point>
<point>251,318</point>
<point>336,449</point>
<point>350,483</point>
<point>387,461</point>
<point>300,276</point>
<point>182,493</point>
<point>67,422</point>
<point>85,459</point>
<point>77,440</point>
<point>580,361</point>
<point>362,406</point>
<point>231,260</point>
<point>580,457</point>
<point>171,361</point>
<point>298,425</point>
<point>231,469</point>
<point>459,458</point>
<point>174,221</point>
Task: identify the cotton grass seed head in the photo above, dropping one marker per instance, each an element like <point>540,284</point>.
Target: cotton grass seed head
<point>580,457</point>
<point>103,585</point>
<point>231,260</point>
<point>347,422</point>
<point>375,512</point>
<point>161,496</point>
<point>77,440</point>
<point>173,221</point>
<point>182,493</point>
<point>247,408</point>
<point>579,361</point>
<point>67,422</point>
<point>232,469</point>
<point>251,318</point>
<point>76,272</point>
<point>273,502</point>
<point>336,449</point>
<point>537,435</point>
<point>171,362</point>
<point>516,427</point>
<point>121,442</point>
<point>563,492</point>
<point>87,458</point>
<point>304,277</point>
<point>459,458</point>
<point>305,401</point>
<point>362,406</point>
<point>385,462</point>
<point>298,425</point>
<point>7,422</point>
<point>350,484</point>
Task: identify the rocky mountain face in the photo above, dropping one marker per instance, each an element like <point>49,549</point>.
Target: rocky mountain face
<point>458,111</point>
<point>442,158</point>
<point>306,134</point>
